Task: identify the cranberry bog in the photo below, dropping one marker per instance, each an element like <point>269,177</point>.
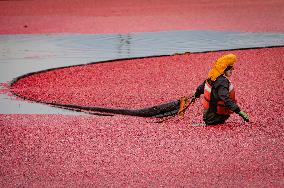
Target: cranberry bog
<point>89,150</point>
<point>86,150</point>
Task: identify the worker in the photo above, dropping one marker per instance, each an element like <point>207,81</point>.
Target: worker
<point>218,92</point>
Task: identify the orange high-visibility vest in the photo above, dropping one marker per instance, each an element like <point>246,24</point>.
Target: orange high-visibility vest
<point>221,109</point>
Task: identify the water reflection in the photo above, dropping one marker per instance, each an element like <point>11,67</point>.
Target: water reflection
<point>124,44</point>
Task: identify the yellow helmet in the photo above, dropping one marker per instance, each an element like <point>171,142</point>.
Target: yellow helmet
<point>220,65</point>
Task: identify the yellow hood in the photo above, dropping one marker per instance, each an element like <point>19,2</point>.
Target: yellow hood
<point>220,65</point>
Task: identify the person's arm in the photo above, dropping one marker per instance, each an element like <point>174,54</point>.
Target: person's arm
<point>223,94</point>
<point>199,90</point>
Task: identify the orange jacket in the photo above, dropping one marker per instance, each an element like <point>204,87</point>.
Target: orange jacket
<point>221,109</point>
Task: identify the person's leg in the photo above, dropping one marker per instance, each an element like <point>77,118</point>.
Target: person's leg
<point>211,118</point>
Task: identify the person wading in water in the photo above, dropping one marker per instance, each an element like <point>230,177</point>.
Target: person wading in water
<point>218,93</point>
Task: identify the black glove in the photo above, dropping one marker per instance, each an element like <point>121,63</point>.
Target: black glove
<point>192,98</point>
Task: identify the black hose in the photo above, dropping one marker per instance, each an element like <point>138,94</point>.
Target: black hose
<point>162,110</point>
